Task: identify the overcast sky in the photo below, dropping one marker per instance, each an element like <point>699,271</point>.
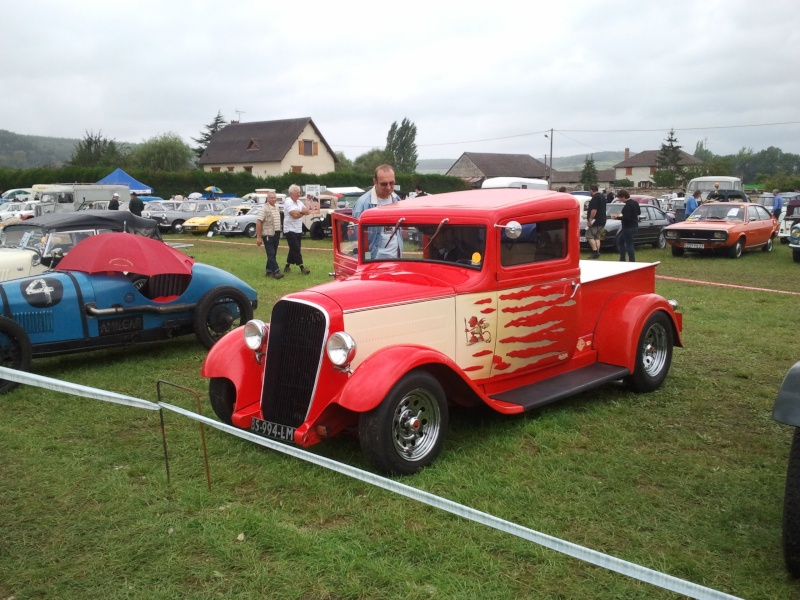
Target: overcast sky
<point>473,76</point>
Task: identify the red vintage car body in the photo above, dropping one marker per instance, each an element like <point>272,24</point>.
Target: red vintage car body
<point>521,323</point>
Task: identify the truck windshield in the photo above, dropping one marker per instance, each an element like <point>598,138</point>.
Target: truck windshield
<point>436,242</point>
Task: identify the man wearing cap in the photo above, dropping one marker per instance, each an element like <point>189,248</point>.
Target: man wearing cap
<point>136,206</point>
<point>114,204</point>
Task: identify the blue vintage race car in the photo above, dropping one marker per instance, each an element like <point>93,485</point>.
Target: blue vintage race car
<point>116,289</point>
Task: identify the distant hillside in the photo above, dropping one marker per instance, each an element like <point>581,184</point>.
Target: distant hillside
<point>602,160</point>
<point>28,151</point>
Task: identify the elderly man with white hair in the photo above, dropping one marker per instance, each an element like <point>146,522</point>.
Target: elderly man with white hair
<point>293,212</point>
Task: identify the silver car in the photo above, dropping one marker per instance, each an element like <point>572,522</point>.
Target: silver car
<point>172,220</point>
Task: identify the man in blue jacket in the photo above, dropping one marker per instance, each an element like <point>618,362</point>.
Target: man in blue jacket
<point>382,244</point>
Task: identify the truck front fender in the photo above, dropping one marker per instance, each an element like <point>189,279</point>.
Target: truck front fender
<point>375,377</point>
<point>787,404</point>
<point>620,323</point>
<point>230,358</point>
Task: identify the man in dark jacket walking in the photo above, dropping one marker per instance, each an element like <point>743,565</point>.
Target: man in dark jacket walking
<point>630,223</point>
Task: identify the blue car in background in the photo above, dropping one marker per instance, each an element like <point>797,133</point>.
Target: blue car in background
<point>117,289</point>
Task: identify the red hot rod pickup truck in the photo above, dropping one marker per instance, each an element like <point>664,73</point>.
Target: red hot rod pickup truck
<point>454,299</point>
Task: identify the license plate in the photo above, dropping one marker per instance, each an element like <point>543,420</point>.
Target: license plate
<point>189,228</point>
<point>694,246</point>
<point>120,325</point>
<point>583,239</point>
<point>272,430</point>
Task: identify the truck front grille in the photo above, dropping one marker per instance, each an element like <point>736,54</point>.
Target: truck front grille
<point>294,351</point>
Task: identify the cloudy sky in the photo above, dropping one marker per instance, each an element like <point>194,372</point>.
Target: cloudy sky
<point>473,76</point>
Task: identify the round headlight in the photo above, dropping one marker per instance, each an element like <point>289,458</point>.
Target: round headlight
<point>341,348</point>
<point>254,333</point>
<point>795,231</point>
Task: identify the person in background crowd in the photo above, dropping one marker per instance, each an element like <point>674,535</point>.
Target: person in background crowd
<point>136,206</point>
<point>382,244</point>
<point>595,220</point>
<point>777,204</point>
<point>268,232</point>
<point>293,212</point>
<point>609,195</point>
<point>692,202</point>
<point>114,204</point>
<point>419,191</point>
<point>630,223</point>
<point>562,189</point>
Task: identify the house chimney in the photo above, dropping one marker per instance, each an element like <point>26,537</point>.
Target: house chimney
<point>627,153</point>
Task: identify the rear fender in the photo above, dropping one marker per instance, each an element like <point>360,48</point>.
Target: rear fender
<point>620,324</point>
<point>230,358</point>
<point>375,377</point>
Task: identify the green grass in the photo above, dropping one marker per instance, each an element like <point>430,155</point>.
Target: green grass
<point>688,479</point>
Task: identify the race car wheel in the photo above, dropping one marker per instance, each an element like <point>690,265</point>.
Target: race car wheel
<point>222,395</point>
<point>250,230</point>
<point>653,354</point>
<point>15,350</point>
<point>736,249</point>
<point>677,251</point>
<point>219,311</point>
<point>768,246</point>
<point>661,242</point>
<point>177,226</point>
<point>317,231</point>
<point>406,431</point>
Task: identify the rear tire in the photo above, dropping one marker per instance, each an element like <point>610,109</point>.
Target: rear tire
<point>768,246</point>
<point>661,242</point>
<point>177,226</point>
<point>317,231</point>
<point>15,350</point>
<point>250,230</point>
<point>220,310</point>
<point>653,354</point>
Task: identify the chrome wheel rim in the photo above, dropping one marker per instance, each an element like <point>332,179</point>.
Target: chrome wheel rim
<point>416,424</point>
<point>654,350</point>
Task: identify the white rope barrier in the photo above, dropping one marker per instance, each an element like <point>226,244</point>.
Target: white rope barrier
<point>611,563</point>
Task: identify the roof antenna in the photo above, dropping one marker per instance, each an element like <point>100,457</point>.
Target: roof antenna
<point>239,114</point>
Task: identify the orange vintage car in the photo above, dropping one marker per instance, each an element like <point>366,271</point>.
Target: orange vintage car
<point>732,227</point>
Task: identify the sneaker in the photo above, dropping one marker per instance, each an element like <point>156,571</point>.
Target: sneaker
<point>304,271</point>
<point>277,275</point>
<point>596,255</point>
<point>286,269</point>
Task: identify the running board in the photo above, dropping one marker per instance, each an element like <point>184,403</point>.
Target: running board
<point>567,384</point>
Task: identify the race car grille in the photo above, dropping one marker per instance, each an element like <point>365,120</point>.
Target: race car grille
<point>35,322</point>
<point>296,336</point>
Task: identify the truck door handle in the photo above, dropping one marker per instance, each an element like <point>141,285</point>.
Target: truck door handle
<point>575,288</point>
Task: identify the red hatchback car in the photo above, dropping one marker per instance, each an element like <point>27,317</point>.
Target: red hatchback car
<point>730,226</point>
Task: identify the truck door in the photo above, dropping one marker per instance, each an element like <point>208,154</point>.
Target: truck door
<point>538,298</point>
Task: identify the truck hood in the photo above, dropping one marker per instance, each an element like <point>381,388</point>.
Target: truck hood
<point>372,288</point>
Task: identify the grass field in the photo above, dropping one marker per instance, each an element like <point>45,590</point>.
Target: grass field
<point>687,480</point>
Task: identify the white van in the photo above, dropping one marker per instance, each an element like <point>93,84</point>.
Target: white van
<point>712,182</point>
<point>515,182</point>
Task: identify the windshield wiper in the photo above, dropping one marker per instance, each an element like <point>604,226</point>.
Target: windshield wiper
<point>394,231</point>
<point>435,233</point>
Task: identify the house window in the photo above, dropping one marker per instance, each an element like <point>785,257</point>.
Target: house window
<point>629,171</point>
<point>215,169</point>
<point>308,147</point>
<point>248,169</point>
<point>296,169</point>
<point>652,170</point>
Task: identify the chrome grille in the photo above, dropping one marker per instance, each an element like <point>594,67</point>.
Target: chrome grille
<point>296,336</point>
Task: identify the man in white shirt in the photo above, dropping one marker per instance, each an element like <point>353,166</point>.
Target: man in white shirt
<point>293,212</point>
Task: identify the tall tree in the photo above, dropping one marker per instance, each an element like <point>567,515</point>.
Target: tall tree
<point>167,152</point>
<point>669,171</point>
<point>367,162</point>
<point>344,164</point>
<point>96,151</point>
<point>589,172</point>
<point>702,153</point>
<point>401,146</point>
<point>202,142</point>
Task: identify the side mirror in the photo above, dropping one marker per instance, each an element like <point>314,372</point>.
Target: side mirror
<point>513,229</point>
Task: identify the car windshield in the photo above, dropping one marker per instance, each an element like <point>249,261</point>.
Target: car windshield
<point>408,242</point>
<point>44,242</point>
<point>9,207</point>
<point>232,211</point>
<point>188,207</point>
<point>718,212</point>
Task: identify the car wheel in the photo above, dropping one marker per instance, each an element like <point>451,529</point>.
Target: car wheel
<point>177,226</point>
<point>219,311</point>
<point>15,350</point>
<point>768,246</point>
<point>214,228</point>
<point>677,251</point>
<point>784,240</point>
<point>736,250</point>
<point>791,509</point>
<point>317,231</point>
<point>406,431</point>
<point>796,255</point>
<point>222,395</point>
<point>653,354</point>
<point>661,242</point>
<point>250,230</point>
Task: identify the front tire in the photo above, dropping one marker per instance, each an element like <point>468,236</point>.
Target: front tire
<point>796,255</point>
<point>317,231</point>
<point>737,249</point>
<point>768,246</point>
<point>222,396</point>
<point>177,226</point>
<point>220,310</point>
<point>15,350</point>
<point>406,432</point>
<point>677,251</point>
<point>653,354</point>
